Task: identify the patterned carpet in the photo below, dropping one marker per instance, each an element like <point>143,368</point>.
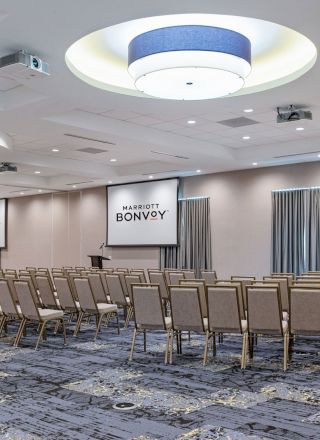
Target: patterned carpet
<point>69,392</point>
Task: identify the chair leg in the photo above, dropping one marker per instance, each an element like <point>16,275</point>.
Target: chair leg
<point>2,323</point>
<point>64,332</point>
<point>285,351</point>
<point>56,328</point>
<point>171,346</point>
<point>205,354</point>
<point>144,340</point>
<point>129,312</point>
<point>78,324</point>
<point>167,346</point>
<point>99,320</point>
<point>244,350</point>
<point>19,333</point>
<point>133,344</point>
<point>42,329</point>
<point>118,325</point>
<point>214,344</point>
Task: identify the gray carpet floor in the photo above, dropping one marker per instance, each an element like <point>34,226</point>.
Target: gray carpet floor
<point>69,392</point>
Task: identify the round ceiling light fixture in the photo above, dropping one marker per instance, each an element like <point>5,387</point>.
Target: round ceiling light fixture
<point>215,55</point>
<point>189,62</point>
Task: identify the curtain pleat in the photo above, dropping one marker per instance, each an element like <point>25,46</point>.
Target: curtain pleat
<point>194,233</point>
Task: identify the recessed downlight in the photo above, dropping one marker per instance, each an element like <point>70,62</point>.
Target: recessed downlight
<point>74,186</point>
<point>39,190</point>
<point>299,128</point>
<point>246,138</point>
<point>198,171</point>
<point>37,172</point>
<point>192,122</point>
<point>55,150</point>
<point>318,155</point>
<point>113,159</point>
<point>150,177</point>
<point>254,164</point>
<point>248,110</point>
<point>109,181</point>
<point>22,193</point>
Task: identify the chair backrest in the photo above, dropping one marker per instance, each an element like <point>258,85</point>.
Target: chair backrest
<point>23,272</point>
<point>139,272</point>
<point>122,281</point>
<point>79,267</point>
<point>102,275</point>
<point>97,287</point>
<point>31,268</point>
<point>64,292</point>
<point>304,310</point>
<point>46,292</point>
<point>7,300</point>
<point>10,278</point>
<point>116,291</point>
<point>11,271</point>
<point>158,277</point>
<point>186,308</point>
<point>239,287</point>
<point>209,275</point>
<point>301,284</point>
<point>175,277</point>
<point>133,279</point>
<point>148,310</point>
<point>189,274</point>
<point>264,310</point>
<point>26,300</point>
<point>84,294</point>
<point>34,292</point>
<point>245,281</point>
<point>284,290</point>
<point>202,292</point>
<point>122,269</point>
<point>224,309</point>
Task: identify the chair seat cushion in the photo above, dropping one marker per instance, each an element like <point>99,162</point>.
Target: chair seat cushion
<point>285,316</point>
<point>106,308</point>
<point>168,322</point>
<point>244,325</point>
<point>47,314</point>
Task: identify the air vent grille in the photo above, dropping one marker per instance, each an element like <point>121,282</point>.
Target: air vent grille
<point>163,153</point>
<point>84,138</point>
<point>91,150</point>
<point>238,122</point>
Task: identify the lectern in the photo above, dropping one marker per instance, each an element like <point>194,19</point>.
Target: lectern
<point>96,260</point>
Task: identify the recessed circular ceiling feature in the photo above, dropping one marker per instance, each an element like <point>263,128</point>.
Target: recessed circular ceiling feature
<point>279,55</point>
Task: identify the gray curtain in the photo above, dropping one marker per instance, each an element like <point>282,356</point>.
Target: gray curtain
<point>291,227</point>
<point>194,237</point>
<point>314,231</point>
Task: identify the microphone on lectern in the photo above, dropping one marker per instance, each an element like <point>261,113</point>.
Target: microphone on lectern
<point>101,246</point>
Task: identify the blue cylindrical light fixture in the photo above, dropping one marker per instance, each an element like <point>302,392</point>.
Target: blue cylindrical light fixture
<point>189,62</point>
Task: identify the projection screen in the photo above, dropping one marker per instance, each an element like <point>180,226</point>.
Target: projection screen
<point>3,223</point>
<point>143,214</point>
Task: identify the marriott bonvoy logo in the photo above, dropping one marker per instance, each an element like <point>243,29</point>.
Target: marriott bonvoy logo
<point>150,211</point>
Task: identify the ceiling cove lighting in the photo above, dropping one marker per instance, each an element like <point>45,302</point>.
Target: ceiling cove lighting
<point>189,62</point>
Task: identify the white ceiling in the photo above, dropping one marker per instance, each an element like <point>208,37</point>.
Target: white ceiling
<point>140,133</point>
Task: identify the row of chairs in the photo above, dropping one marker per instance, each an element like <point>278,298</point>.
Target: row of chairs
<point>223,315</point>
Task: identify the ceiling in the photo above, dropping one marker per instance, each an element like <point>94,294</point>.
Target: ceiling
<point>90,126</point>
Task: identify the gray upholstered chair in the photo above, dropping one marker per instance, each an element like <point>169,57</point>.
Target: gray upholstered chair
<point>265,317</point>
<point>97,288</point>
<point>189,274</point>
<point>284,290</point>
<point>202,292</point>
<point>209,275</point>
<point>158,277</point>
<point>133,279</point>
<point>9,309</point>
<point>149,314</point>
<point>32,313</point>
<point>140,272</point>
<point>118,295</point>
<point>175,277</point>
<point>66,299</point>
<point>245,281</point>
<point>238,286</point>
<point>48,298</point>
<point>90,307</point>
<point>186,313</point>
<point>224,315</point>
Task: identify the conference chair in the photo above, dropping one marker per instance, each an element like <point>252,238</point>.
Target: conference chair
<point>175,277</point>
<point>167,271</point>
<point>139,272</point>
<point>90,307</point>
<point>31,313</point>
<point>31,268</point>
<point>149,314</point>
<point>186,314</point>
<point>209,275</point>
<point>122,269</point>
<point>11,272</point>
<point>121,276</point>
<point>238,286</point>
<point>189,274</point>
<point>304,309</point>
<point>10,278</point>
<point>34,291</point>
<point>23,272</point>
<point>66,299</point>
<point>284,290</point>
<point>118,296</point>
<point>46,292</point>
<point>102,275</point>
<point>265,317</point>
<point>245,281</point>
<point>290,276</point>
<point>9,309</point>
<point>80,268</point>
<point>133,279</point>
<point>225,316</point>
<point>97,288</point>
<point>202,292</point>
<point>158,277</point>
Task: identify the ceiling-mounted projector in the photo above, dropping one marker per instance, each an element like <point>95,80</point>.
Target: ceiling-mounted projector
<point>23,65</point>
<point>5,166</point>
<point>292,113</point>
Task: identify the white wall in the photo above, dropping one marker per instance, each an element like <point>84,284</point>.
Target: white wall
<point>51,230</point>
<point>241,213</point>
